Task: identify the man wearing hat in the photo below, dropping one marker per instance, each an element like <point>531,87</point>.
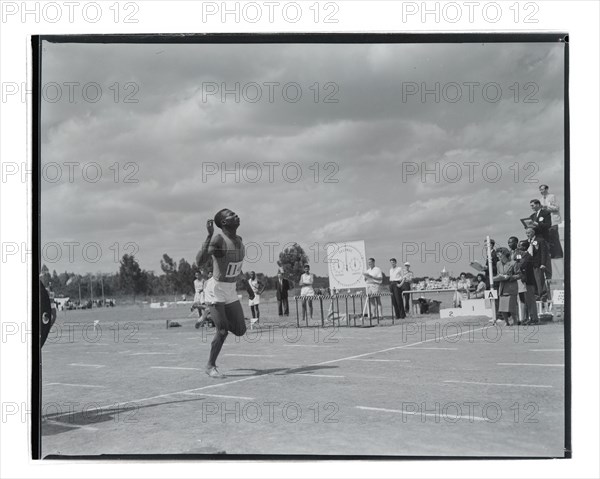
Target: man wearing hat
<point>407,279</point>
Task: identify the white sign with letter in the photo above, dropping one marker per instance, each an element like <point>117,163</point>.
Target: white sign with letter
<point>491,294</point>
<point>347,263</point>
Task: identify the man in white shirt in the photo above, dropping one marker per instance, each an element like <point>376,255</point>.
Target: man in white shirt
<point>407,279</point>
<point>396,275</point>
<point>550,203</point>
<point>374,278</point>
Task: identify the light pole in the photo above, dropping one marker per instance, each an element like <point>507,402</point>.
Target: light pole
<point>101,276</point>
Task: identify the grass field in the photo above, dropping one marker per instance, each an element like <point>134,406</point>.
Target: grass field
<point>423,387</point>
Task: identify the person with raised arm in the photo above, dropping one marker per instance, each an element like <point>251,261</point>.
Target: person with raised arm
<point>227,252</point>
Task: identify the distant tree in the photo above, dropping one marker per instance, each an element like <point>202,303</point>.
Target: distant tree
<point>185,276</point>
<point>167,264</point>
<point>292,261</point>
<point>55,280</point>
<point>131,278</point>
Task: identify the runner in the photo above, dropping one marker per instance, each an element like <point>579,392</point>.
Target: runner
<point>227,251</point>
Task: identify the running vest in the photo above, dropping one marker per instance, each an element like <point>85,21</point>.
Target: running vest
<point>254,285</point>
<point>227,261</point>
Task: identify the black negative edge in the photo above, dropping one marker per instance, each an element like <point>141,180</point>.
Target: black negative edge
<point>567,255</point>
<point>382,37</point>
<point>533,37</point>
<point>36,347</point>
<point>284,457</point>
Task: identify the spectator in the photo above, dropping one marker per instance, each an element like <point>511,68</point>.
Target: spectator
<point>480,288</point>
<point>52,296</point>
<point>513,242</point>
<point>508,274</point>
<point>550,204</point>
<point>396,275</point>
<point>257,289</point>
<point>462,290</point>
<point>283,286</point>
<point>306,289</point>
<point>494,260</point>
<point>542,219</point>
<point>199,300</point>
<point>407,285</point>
<point>374,278</point>
<point>538,249</point>
<point>529,306</point>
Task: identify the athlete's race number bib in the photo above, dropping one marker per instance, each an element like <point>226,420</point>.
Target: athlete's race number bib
<point>233,269</point>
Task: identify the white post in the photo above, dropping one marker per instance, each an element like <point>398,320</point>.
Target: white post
<point>491,273</point>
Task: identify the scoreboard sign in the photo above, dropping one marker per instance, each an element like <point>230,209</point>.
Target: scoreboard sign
<point>347,262</point>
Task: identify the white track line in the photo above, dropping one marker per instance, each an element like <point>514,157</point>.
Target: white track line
<point>151,354</point>
<point>310,375</point>
<point>499,384</point>
<point>173,367</point>
<point>409,413</point>
<point>384,360</point>
<point>87,365</point>
<point>220,396</point>
<point>258,376</point>
<point>433,349</point>
<point>532,364</point>
<point>549,350</point>
<point>251,355</point>
<point>391,349</point>
<point>303,345</point>
<point>74,385</point>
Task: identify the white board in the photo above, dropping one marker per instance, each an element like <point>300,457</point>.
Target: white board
<point>347,261</point>
<point>558,296</point>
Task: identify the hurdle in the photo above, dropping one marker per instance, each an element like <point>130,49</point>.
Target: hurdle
<point>350,308</point>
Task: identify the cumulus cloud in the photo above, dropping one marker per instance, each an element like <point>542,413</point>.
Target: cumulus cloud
<point>377,164</point>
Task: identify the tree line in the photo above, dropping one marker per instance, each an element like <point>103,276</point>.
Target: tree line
<point>176,278</point>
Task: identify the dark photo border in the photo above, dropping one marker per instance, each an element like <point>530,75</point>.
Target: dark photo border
<point>281,38</point>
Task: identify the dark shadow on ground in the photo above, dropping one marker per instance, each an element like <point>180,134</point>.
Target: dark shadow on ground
<point>60,422</point>
<point>280,371</point>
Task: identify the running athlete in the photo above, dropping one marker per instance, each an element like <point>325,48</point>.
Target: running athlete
<point>227,251</point>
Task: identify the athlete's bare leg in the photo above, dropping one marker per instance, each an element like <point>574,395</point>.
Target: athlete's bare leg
<point>227,318</point>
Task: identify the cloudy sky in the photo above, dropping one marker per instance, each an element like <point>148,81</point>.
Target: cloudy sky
<point>177,131</point>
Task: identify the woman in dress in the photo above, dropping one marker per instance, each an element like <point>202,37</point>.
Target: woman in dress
<point>480,289</point>
<point>306,284</point>
<point>508,289</point>
<point>462,290</point>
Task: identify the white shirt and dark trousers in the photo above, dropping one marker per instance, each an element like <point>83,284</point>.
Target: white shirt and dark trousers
<point>396,275</point>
